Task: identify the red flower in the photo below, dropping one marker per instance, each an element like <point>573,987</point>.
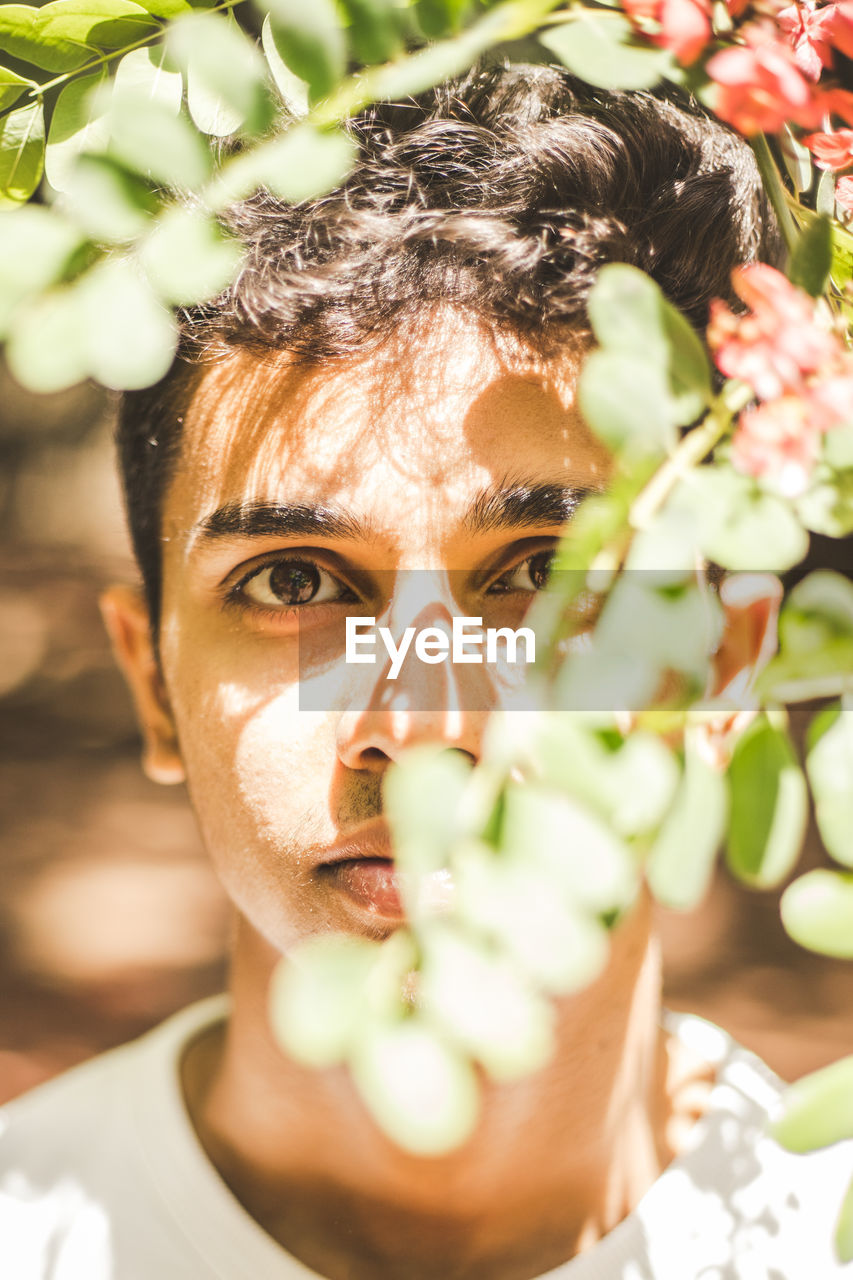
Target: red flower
<point>832,150</point>
<point>777,344</point>
<point>837,102</point>
<point>685,25</point>
<point>779,443</point>
<point>808,29</point>
<point>760,86</point>
<point>840,27</point>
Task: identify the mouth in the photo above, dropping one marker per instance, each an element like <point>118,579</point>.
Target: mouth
<point>362,869</point>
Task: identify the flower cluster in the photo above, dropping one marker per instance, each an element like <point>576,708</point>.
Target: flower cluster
<point>800,371</point>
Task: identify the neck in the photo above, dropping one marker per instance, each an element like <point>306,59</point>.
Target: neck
<point>557,1159</point>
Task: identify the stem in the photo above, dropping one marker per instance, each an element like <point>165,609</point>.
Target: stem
<point>775,189</point>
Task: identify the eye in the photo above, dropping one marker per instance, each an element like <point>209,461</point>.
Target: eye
<point>288,584</point>
<point>529,575</point>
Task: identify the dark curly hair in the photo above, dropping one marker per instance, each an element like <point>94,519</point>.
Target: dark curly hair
<point>503,192</point>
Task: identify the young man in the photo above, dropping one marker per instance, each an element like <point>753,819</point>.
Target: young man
<point>390,386</point>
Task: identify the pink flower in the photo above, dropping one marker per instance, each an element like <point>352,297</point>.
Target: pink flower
<point>684,25</point>
<point>832,150</point>
<point>831,395</point>
<point>779,443</point>
<point>840,27</point>
<point>808,29</point>
<point>760,87</point>
<point>777,343</point>
<point>844,194</point>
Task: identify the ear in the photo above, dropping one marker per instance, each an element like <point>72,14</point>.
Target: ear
<point>126,620</point>
<point>751,611</point>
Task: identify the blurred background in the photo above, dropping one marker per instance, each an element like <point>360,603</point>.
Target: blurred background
<point>109,915</point>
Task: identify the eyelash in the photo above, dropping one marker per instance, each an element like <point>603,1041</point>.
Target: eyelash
<point>236,594</point>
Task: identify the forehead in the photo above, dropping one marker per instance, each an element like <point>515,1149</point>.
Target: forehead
<point>442,406</point>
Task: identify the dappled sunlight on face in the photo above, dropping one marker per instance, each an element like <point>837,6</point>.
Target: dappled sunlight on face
<point>400,459</point>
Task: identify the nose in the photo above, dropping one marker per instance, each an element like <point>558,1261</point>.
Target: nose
<point>440,703</point>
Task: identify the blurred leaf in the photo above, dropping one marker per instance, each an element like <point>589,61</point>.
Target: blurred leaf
<point>146,136</point>
<point>579,851</point>
<point>630,314</point>
<point>556,944</point>
<point>78,124</point>
<point>769,806</point>
<point>305,162</point>
<point>827,507</point>
<point>169,8</point>
<point>437,17</point>
<point>797,160</point>
<point>603,50</point>
<point>317,997</point>
<point>817,912</point>
<point>422,830</point>
<point>626,401</point>
<point>148,73</point>
<point>844,1229</point>
<point>740,526</point>
<point>226,74</point>
<point>681,862</point>
<point>811,257</point>
<point>130,337</point>
<point>838,446</point>
<point>422,1093</point>
<point>677,627</point>
<point>46,350</point>
<point>485,1006</point>
<point>36,245</point>
<point>310,40</point>
<point>825,198</point>
<point>21,153</point>
<point>113,205</point>
<point>188,259</point>
<point>829,766</point>
<point>12,86</point>
<point>818,1110</point>
<point>815,634</point>
<point>428,67</point>
<point>375,31</point>
<point>293,91</point>
<point>64,34</point>
<point>825,596</point>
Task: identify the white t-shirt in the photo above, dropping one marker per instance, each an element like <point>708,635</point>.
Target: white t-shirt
<point>102,1177</point>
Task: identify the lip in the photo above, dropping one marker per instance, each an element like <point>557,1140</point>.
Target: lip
<point>361,867</point>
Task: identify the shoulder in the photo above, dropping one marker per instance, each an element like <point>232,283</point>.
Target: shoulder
<point>69,1149</point>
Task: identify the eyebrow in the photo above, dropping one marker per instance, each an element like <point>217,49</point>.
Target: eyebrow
<point>522,506</point>
<point>500,507</point>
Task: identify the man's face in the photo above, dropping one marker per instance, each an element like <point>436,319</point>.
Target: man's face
<point>306,493</point>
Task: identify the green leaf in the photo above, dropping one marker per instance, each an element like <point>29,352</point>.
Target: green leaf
<point>827,507</point>
<point>64,34</point>
<point>817,912</point>
<point>46,350</point>
<point>741,526</point>
<point>302,164</point>
<point>421,1091</point>
<point>12,86</point>
<point>113,205</point>
<point>825,197</point>
<point>78,124</point>
<point>844,1229</point>
<point>318,997</point>
<point>375,31</point>
<point>485,1006</point>
<point>430,66</point>
<point>676,627</point>
<point>603,50</point>
<point>437,17</point>
<point>21,153</point>
<point>829,766</point>
<point>811,257</point>
<point>146,136</point>
<point>36,246</point>
<point>149,73</point>
<point>130,337</point>
<point>769,806</point>
<point>630,313</point>
<point>311,41</point>
<point>188,259</point>
<point>815,635</point>
<point>167,8</point>
<point>226,74</point>
<point>626,402</point>
<point>681,861</point>
<point>293,91</point>
<point>823,596</point>
<point>818,1110</point>
<point>424,831</point>
<point>797,160</point>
